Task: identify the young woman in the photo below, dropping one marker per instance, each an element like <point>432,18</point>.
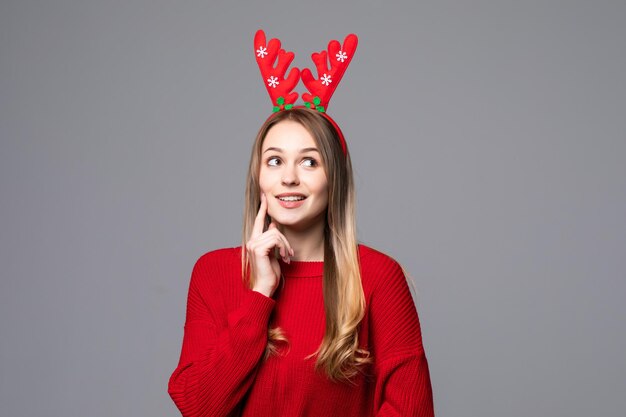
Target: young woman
<point>301,319</point>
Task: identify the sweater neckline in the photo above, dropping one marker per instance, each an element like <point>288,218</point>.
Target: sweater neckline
<point>302,268</point>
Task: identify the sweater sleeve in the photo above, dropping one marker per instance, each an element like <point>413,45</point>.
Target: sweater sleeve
<point>219,354</point>
<point>403,386</point>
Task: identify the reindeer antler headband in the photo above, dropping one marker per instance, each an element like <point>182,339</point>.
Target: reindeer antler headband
<point>320,90</point>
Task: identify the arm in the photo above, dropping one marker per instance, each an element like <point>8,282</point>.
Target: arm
<point>403,385</point>
<point>219,358</point>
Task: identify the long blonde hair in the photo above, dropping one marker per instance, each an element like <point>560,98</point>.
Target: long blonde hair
<point>339,354</point>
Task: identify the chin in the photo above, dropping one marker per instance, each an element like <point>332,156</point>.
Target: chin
<point>297,222</point>
<point>288,221</point>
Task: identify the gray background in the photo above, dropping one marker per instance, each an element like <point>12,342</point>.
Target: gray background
<point>488,140</point>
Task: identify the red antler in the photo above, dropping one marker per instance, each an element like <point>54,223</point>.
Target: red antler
<point>278,87</point>
<point>322,89</point>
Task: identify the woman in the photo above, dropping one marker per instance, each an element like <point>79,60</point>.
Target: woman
<point>300,320</point>
<point>248,344</point>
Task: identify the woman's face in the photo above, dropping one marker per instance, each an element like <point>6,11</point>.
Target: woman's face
<point>291,165</point>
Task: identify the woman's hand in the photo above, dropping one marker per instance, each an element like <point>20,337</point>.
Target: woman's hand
<point>264,267</point>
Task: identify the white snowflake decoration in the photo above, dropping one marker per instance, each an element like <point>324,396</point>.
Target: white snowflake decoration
<point>326,79</point>
<point>261,52</point>
<point>341,56</point>
<point>272,81</point>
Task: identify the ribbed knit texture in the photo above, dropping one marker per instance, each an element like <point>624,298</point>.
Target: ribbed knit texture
<point>221,371</point>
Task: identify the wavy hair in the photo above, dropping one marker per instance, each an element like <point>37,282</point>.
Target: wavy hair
<point>339,355</point>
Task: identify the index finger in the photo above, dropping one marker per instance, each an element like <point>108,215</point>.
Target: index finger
<point>259,221</point>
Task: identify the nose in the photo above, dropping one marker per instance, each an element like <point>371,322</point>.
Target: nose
<point>290,175</point>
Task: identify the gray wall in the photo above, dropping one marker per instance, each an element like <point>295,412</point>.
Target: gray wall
<point>488,140</point>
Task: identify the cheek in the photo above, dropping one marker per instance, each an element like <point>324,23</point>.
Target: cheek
<point>322,184</point>
<point>322,190</point>
<point>264,180</point>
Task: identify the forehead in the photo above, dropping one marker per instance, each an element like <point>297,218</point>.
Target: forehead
<point>288,135</point>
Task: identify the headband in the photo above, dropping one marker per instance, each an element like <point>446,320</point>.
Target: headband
<point>274,62</point>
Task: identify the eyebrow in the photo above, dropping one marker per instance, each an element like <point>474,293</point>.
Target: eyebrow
<point>303,150</point>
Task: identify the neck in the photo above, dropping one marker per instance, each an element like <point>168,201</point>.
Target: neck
<point>308,244</point>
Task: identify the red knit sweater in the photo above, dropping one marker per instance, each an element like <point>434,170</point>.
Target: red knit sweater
<point>221,371</point>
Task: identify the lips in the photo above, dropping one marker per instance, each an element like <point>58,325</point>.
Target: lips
<point>291,197</point>
<point>291,200</point>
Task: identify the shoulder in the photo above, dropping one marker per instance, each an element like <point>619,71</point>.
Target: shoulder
<point>379,269</point>
<point>387,280</point>
<point>219,256</point>
<point>371,258</point>
<point>217,262</point>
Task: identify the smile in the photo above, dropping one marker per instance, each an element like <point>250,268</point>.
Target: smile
<point>291,201</point>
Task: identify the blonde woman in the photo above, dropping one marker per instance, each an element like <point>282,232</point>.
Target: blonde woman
<point>301,320</point>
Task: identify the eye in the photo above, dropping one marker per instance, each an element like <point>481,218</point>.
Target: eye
<point>310,162</point>
<point>272,161</point>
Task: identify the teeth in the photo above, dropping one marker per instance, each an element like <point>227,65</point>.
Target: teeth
<point>294,198</point>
